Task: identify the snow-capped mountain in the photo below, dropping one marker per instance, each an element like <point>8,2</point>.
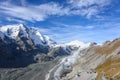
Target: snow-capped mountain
<point>20,30</point>
<point>21,43</point>
<point>73,45</point>
<point>13,31</point>
<point>78,44</point>
<point>19,40</point>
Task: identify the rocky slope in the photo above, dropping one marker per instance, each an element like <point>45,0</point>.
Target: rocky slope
<point>98,62</point>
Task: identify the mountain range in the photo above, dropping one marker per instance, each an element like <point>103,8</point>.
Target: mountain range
<point>27,54</point>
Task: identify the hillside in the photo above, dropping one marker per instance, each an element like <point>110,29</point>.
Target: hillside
<point>99,62</point>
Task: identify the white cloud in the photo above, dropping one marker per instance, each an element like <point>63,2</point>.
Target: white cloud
<point>88,3</point>
<point>64,32</point>
<point>91,33</point>
<point>33,13</point>
<point>70,27</point>
<point>87,8</point>
<point>13,19</point>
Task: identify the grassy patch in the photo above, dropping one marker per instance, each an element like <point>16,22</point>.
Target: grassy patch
<point>109,68</point>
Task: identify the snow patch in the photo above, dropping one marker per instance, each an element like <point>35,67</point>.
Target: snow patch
<point>36,36</point>
<point>13,31</point>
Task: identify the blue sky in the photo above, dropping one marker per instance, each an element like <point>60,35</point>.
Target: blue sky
<point>66,20</point>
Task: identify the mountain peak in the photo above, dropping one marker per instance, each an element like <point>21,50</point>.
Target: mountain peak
<point>20,30</point>
<point>21,24</point>
<point>77,43</point>
<point>13,31</point>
